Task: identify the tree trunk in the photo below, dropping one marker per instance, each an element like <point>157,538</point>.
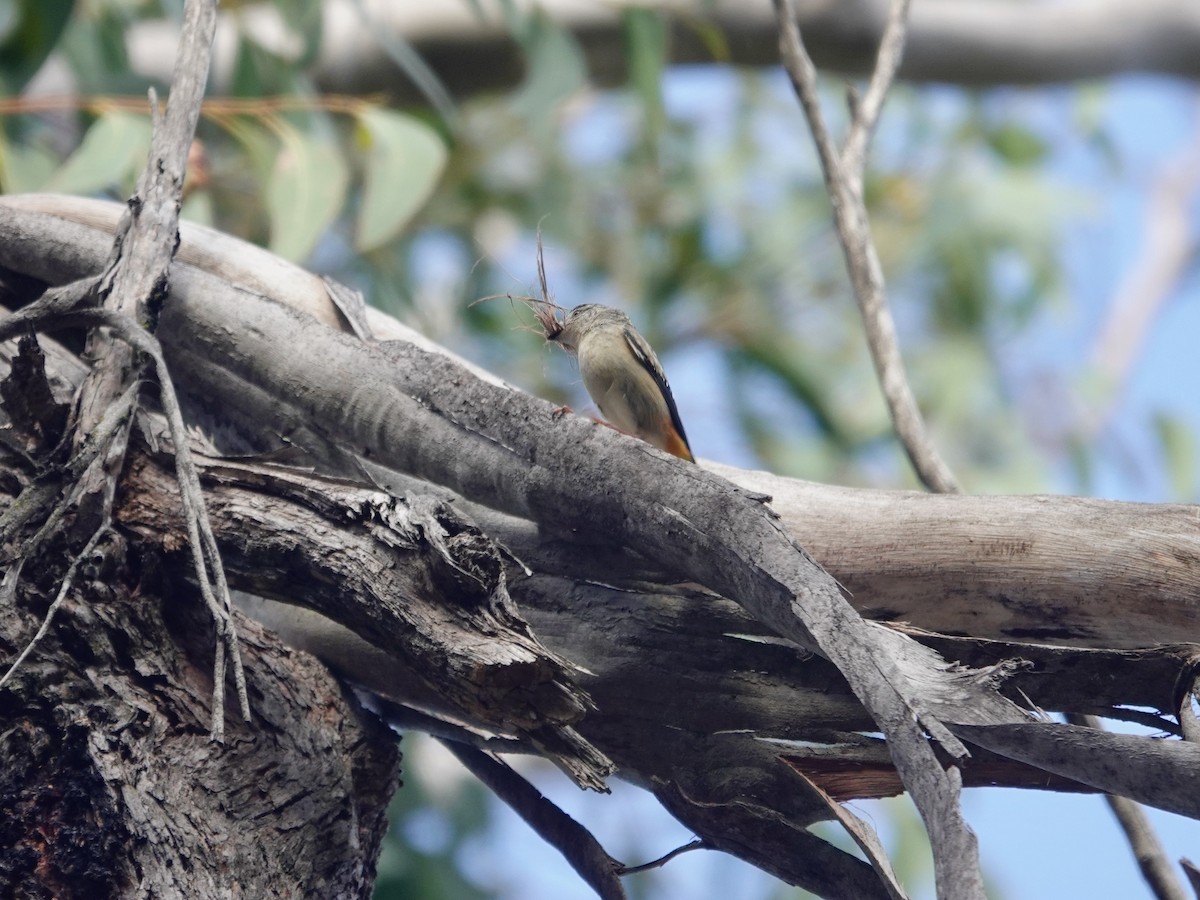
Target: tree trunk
<point>111,786</point>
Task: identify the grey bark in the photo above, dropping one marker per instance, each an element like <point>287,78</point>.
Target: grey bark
<point>112,788</point>
<point>717,762</point>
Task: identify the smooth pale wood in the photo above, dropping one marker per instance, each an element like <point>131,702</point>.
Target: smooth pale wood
<point>1055,570</point>
<point>1042,569</point>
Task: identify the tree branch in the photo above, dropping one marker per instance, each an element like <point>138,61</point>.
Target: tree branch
<point>577,845</point>
<point>731,787</point>
<point>409,575</point>
<point>1168,248</point>
<point>843,179</point>
<point>1149,852</point>
<point>968,42</point>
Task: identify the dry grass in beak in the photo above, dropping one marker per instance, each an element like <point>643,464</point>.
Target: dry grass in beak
<point>544,309</point>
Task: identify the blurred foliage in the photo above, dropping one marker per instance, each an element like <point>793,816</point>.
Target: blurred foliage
<point>690,198</point>
<point>433,819</point>
<point>705,216</point>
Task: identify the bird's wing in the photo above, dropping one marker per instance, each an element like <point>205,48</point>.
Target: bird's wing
<point>645,356</point>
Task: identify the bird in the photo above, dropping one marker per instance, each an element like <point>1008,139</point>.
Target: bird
<point>622,375</point>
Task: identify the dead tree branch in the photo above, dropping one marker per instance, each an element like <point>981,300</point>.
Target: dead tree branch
<point>1147,849</point>
<point>514,456</point>
<point>844,180</point>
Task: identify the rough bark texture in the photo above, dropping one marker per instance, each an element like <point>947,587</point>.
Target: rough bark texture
<point>407,574</point>
<point>111,787</point>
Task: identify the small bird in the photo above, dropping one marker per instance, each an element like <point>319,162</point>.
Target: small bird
<point>622,375</point>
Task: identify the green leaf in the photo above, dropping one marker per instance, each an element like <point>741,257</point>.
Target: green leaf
<point>259,71</point>
<point>556,68</point>
<point>711,36</point>
<point>303,17</point>
<point>305,191</point>
<point>1179,449</point>
<point>114,149</point>
<point>1017,145</point>
<point>259,144</point>
<point>411,63</point>
<point>30,33</point>
<point>24,167</point>
<point>646,49</point>
<point>405,159</point>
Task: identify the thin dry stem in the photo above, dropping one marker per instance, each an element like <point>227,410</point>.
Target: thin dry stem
<point>697,844</point>
<point>956,860</point>
<point>866,110</point>
<point>67,582</point>
<point>205,556</point>
<point>843,179</point>
<point>544,309</point>
<point>1151,856</point>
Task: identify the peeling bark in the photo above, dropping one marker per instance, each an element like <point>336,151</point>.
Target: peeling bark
<point>689,694</point>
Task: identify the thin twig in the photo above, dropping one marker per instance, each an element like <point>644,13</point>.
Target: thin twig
<point>205,555</point>
<point>139,279</point>
<point>865,113</point>
<point>938,798</point>
<point>577,845</point>
<point>214,108</point>
<point>697,844</point>
<point>67,582</point>
<point>1167,254</point>
<point>1147,849</point>
<point>1193,874</point>
<point>843,179</point>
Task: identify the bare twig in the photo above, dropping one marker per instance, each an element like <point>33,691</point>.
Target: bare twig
<point>206,558</point>
<point>938,798</point>
<point>843,179</point>
<point>1147,849</point>
<point>577,845</point>
<point>865,112</point>
<point>1193,874</point>
<point>1168,249</point>
<point>65,588</point>
<point>697,844</point>
<point>135,285</point>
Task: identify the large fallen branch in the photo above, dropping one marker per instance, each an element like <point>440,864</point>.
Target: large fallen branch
<point>969,42</point>
<point>223,343</point>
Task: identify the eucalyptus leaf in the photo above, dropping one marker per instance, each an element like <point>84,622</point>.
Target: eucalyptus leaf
<point>646,46</point>
<point>556,69</point>
<point>114,150</point>
<point>405,160</point>
<point>24,167</point>
<point>30,32</point>
<point>305,191</point>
